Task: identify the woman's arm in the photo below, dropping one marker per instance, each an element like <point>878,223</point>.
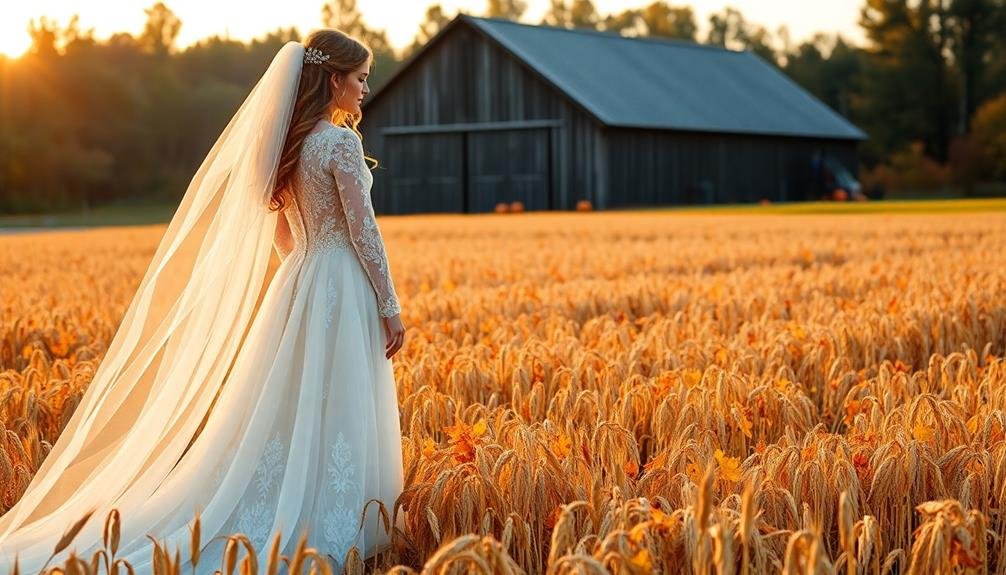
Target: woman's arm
<point>347,166</point>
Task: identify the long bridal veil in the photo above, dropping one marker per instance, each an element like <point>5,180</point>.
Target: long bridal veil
<point>180,334</point>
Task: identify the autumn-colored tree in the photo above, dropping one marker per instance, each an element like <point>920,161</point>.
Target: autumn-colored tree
<point>160,30</point>
<point>509,9</point>
<point>572,14</point>
<point>433,22</point>
<point>731,30</point>
<point>345,16</point>
<point>658,19</point>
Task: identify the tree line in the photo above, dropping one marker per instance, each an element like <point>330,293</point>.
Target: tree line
<point>85,122</point>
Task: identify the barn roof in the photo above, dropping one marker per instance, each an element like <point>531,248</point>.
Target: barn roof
<point>654,83</point>
<point>665,84</point>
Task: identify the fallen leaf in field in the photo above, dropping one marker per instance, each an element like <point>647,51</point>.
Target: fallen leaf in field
<point>659,461</point>
<point>862,464</point>
<point>561,445</point>
<point>721,356</point>
<point>694,472</point>
<point>742,421</point>
<point>479,429</point>
<point>852,409</point>
<point>642,560</point>
<point>663,383</point>
<point>464,438</point>
<point>631,468</point>
<point>692,377</point>
<point>729,466</point>
<point>429,447</point>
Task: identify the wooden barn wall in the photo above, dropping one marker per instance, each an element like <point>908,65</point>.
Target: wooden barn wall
<point>466,79</point>
<point>652,167</point>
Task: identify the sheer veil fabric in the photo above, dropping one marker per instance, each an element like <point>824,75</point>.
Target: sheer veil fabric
<point>261,400</point>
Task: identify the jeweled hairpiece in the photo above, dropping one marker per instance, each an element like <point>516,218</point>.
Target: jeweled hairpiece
<point>314,56</point>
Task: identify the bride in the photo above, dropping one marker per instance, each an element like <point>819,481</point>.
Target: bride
<point>265,401</point>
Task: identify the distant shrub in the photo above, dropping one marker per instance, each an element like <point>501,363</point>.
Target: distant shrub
<point>516,207</point>
<point>584,206</point>
<point>908,169</point>
<point>502,208</point>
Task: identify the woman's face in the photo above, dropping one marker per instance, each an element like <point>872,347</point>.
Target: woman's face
<point>350,90</point>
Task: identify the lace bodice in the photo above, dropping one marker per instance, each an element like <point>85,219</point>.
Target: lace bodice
<point>332,194</point>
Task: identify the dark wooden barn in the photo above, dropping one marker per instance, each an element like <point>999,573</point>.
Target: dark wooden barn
<point>495,111</point>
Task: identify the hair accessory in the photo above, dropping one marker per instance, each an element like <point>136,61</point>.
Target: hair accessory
<point>314,56</point>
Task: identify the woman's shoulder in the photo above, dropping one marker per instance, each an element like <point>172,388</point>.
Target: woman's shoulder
<point>342,135</point>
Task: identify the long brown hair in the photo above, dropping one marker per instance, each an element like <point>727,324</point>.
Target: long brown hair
<point>314,93</point>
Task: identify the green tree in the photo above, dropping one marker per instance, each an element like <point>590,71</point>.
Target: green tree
<point>975,25</point>
<point>829,68</point>
<point>907,89</point>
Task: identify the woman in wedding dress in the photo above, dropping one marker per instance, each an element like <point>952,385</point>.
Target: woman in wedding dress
<point>264,402</point>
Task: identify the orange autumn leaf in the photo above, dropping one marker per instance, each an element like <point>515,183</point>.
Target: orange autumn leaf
<point>479,429</point>
<point>742,421</point>
<point>429,447</point>
<point>464,438</point>
<point>642,560</point>
<point>862,464</point>
<point>852,409</point>
<point>631,468</point>
<point>692,377</point>
<point>721,356</point>
<point>694,472</point>
<point>561,445</point>
<point>659,461</point>
<point>663,383</point>
<point>730,467</point>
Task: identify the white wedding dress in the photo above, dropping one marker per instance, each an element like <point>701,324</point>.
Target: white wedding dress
<point>322,436</point>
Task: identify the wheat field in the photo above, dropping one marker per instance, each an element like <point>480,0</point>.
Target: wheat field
<point>625,392</point>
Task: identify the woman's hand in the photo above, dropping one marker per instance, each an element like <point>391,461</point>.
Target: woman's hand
<point>395,332</point>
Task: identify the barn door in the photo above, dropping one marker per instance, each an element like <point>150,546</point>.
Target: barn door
<point>425,172</point>
<point>508,166</point>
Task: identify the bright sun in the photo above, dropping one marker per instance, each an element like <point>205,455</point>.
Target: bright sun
<point>13,46</point>
<point>14,38</point>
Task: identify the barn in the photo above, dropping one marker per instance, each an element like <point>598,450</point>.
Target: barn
<point>493,111</point>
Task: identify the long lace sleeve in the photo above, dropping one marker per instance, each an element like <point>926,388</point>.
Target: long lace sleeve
<point>348,168</point>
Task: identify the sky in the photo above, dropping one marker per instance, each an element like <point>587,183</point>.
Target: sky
<point>400,18</point>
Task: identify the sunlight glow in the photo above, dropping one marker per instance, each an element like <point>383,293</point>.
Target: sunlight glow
<point>400,18</point>
<point>14,38</point>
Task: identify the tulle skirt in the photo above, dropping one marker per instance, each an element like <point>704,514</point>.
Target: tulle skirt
<point>304,431</point>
